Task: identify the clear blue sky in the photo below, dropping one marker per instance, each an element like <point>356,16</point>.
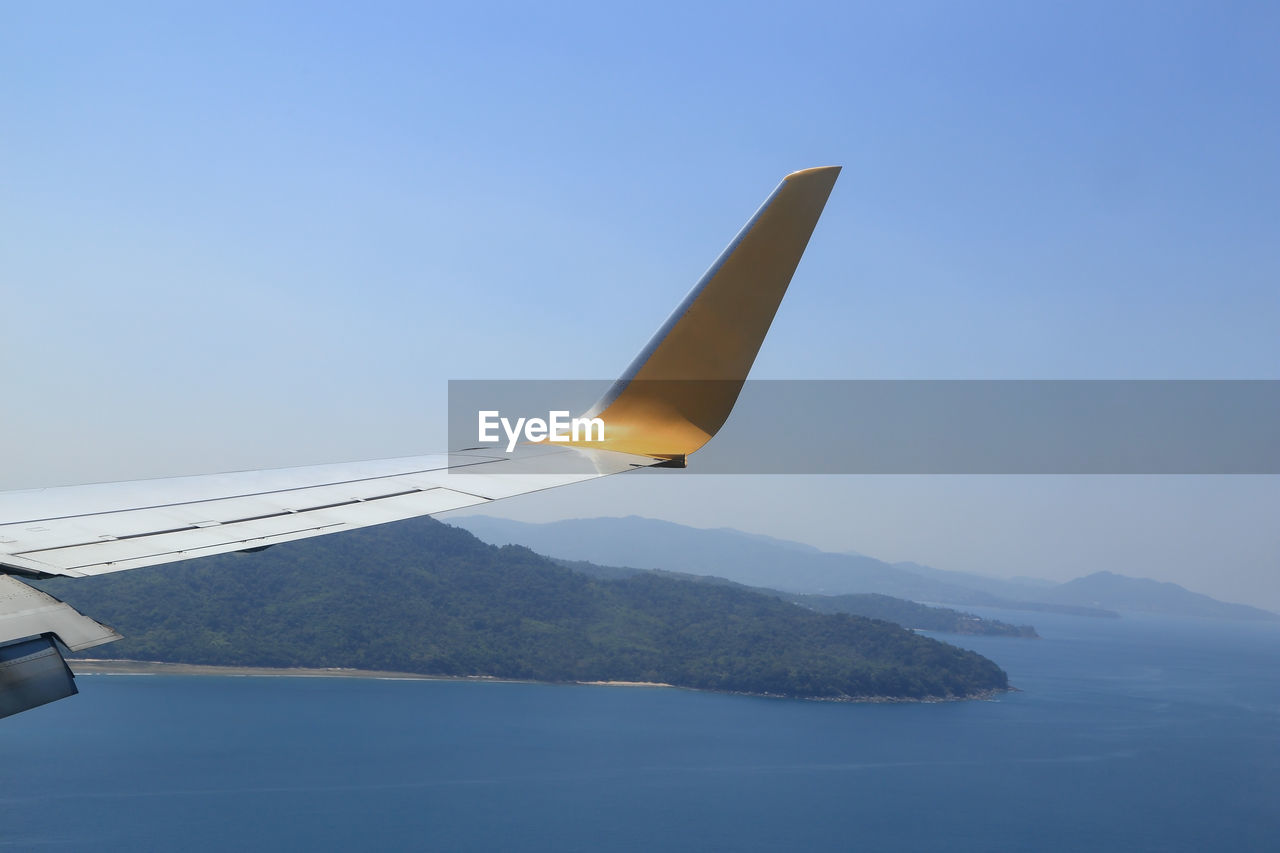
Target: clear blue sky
<point>245,236</point>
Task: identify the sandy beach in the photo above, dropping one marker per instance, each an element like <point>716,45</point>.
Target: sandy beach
<point>96,666</point>
<point>93,666</point>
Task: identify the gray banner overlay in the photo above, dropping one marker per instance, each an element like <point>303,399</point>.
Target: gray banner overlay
<point>947,426</point>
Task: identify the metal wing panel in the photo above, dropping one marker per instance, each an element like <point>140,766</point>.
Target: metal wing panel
<point>160,521</point>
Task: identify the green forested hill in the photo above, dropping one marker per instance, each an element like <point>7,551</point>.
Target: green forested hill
<point>420,596</point>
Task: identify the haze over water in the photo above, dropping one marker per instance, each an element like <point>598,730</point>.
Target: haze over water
<point>1140,733</point>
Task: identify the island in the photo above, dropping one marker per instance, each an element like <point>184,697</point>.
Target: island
<point>422,597</point>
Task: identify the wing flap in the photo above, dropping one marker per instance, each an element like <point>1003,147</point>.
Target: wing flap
<point>29,612</point>
<point>32,624</point>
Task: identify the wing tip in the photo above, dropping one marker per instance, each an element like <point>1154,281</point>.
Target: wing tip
<point>833,171</point>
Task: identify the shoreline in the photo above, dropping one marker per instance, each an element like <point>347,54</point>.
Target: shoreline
<point>117,666</point>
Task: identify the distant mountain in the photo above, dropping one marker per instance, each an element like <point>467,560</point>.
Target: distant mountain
<point>1107,589</point>
<point>420,596</point>
<point>909,614</point>
<point>749,559</point>
<point>1016,589</point>
<point>792,567</point>
<point>899,611</point>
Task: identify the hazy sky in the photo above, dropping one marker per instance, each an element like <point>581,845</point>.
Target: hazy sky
<point>239,237</point>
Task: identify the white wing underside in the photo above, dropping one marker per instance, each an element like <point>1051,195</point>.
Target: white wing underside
<point>79,531</point>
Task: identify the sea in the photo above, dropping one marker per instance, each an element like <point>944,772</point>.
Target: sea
<point>1141,733</point>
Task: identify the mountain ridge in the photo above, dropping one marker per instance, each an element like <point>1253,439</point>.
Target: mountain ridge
<point>797,568</point>
<point>899,611</point>
<point>1151,596</point>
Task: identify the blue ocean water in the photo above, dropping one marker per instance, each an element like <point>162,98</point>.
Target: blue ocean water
<point>1135,734</point>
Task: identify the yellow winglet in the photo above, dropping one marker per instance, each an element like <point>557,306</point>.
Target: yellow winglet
<point>680,389</point>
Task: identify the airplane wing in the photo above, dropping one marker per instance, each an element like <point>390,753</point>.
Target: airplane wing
<point>671,400</point>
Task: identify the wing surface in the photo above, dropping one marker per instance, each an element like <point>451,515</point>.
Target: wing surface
<point>108,527</point>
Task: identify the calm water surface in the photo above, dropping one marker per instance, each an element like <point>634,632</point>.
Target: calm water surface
<point>1133,734</point>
